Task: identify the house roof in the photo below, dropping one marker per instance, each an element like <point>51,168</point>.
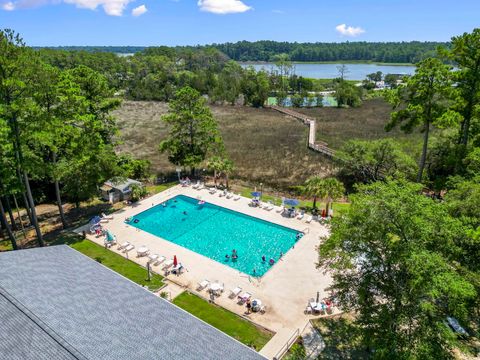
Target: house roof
<point>55,303</point>
<point>122,185</point>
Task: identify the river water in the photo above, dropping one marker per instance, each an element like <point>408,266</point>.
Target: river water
<point>330,71</point>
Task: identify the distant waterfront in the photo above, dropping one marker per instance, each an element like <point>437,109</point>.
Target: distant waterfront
<point>356,71</point>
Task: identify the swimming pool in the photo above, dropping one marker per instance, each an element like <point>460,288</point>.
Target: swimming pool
<point>214,231</point>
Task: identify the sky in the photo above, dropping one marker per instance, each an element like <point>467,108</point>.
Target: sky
<point>192,22</point>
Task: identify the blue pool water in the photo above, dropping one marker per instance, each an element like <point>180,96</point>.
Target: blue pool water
<point>214,231</point>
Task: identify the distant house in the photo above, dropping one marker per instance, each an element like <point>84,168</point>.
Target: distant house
<point>115,191</point>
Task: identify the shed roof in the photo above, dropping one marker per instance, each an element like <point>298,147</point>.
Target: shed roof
<point>123,185</point>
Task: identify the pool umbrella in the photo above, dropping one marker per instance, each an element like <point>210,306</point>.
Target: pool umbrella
<point>256,194</point>
<point>110,236</point>
<point>175,260</point>
<point>95,220</point>
<point>291,202</point>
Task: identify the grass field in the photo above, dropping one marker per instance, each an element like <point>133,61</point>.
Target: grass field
<point>367,122</point>
<point>265,145</point>
<point>224,320</point>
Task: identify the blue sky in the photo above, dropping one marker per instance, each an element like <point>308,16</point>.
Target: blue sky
<point>182,22</point>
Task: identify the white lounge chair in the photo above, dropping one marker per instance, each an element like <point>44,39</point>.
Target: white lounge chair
<point>123,245</point>
<point>203,284</point>
<point>108,217</point>
<point>153,258</point>
<point>212,190</point>
<point>269,207</point>
<point>281,209</point>
<point>222,193</point>
<point>263,309</point>
<point>197,185</point>
<point>244,297</point>
<point>234,292</point>
<point>128,248</point>
<point>309,219</point>
<point>236,197</point>
<point>229,195</point>
<point>167,264</point>
<point>200,187</point>
<point>160,260</point>
<point>301,215</point>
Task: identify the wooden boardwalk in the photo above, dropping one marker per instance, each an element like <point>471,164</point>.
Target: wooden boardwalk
<point>319,146</point>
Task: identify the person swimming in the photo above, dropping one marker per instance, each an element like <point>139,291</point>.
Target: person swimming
<point>271,261</point>
<point>299,236</point>
<point>164,204</point>
<point>185,213</point>
<point>281,255</point>
<point>136,221</point>
<point>264,258</point>
<point>227,257</point>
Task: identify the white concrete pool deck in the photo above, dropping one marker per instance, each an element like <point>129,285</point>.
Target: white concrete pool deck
<point>285,289</point>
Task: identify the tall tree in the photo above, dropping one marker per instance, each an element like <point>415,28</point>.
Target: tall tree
<point>465,52</point>
<point>370,161</point>
<point>17,66</point>
<point>426,96</point>
<point>255,87</point>
<point>229,83</point>
<point>193,132</point>
<point>389,259</point>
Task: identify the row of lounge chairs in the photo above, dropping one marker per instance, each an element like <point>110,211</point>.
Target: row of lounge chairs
<point>236,293</point>
<point>153,259</point>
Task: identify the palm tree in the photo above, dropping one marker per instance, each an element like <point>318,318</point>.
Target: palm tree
<point>226,169</point>
<point>313,187</point>
<point>215,163</point>
<point>332,189</point>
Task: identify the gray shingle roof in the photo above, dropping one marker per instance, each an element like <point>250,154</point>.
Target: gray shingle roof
<point>59,304</point>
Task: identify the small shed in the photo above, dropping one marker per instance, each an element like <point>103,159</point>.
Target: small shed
<point>118,190</point>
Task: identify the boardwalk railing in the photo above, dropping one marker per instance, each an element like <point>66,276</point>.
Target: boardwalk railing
<point>287,345</point>
<point>319,146</point>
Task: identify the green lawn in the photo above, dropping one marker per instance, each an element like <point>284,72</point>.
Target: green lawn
<point>224,320</point>
<point>338,207</point>
<point>118,263</point>
<point>155,189</point>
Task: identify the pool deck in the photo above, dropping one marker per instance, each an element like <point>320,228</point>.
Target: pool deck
<point>285,289</point>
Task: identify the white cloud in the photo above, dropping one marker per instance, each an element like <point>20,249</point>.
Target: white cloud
<point>352,31</point>
<point>111,7</point>
<point>8,6</point>
<point>140,10</point>
<point>223,6</point>
<point>276,11</point>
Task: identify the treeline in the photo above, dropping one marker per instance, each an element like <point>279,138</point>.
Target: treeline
<point>389,52</point>
<point>105,49</point>
<point>157,73</point>
<point>56,131</point>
